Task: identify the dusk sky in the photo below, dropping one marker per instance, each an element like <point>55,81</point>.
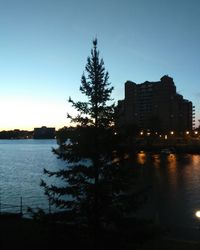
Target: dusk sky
<point>44,45</point>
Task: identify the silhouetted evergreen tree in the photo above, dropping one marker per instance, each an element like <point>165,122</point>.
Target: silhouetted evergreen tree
<point>98,187</point>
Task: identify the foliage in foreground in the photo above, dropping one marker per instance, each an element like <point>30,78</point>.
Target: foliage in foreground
<point>98,186</point>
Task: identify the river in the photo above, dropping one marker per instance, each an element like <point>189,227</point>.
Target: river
<point>21,170</point>
<point>174,196</point>
<point>174,179</point>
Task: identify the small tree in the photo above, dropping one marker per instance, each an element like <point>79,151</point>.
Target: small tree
<point>98,185</point>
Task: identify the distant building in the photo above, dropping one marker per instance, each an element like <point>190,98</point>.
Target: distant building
<point>44,133</point>
<point>155,106</point>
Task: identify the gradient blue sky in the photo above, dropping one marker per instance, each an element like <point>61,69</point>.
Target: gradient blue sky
<point>44,45</point>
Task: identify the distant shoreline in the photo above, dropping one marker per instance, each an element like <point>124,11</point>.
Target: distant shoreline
<point>13,139</point>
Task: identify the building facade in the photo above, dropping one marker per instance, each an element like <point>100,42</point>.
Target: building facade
<point>155,106</point>
<point>44,133</point>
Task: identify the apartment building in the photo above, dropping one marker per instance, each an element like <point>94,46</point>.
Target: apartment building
<point>155,106</point>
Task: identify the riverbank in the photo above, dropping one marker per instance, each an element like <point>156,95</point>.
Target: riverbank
<point>179,149</point>
<point>27,234</point>
<point>184,146</point>
<point>19,233</point>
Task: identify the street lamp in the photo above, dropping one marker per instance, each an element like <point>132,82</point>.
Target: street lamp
<point>198,214</point>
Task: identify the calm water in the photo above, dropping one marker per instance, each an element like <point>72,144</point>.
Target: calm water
<point>175,187</point>
<point>21,169</point>
<point>175,179</point>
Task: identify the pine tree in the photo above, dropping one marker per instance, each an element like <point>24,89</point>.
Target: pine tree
<point>98,186</point>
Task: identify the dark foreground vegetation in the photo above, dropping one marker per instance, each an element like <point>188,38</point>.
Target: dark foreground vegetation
<point>28,234</point>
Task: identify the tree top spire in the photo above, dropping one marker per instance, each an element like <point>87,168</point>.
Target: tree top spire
<point>95,42</point>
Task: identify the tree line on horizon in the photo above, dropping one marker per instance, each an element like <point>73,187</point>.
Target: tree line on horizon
<point>15,134</point>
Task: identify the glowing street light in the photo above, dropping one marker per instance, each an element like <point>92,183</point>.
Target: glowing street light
<point>197,214</point>
<point>172,133</point>
<point>187,132</point>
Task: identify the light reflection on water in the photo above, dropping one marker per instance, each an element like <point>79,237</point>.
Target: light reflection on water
<point>141,157</point>
<point>175,180</point>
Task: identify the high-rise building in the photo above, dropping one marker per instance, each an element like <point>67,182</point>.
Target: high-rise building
<point>155,106</point>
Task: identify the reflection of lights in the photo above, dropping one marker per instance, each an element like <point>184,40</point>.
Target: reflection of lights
<point>141,157</point>
<point>172,169</point>
<point>172,161</point>
<point>197,214</point>
<point>196,160</point>
<point>156,160</point>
